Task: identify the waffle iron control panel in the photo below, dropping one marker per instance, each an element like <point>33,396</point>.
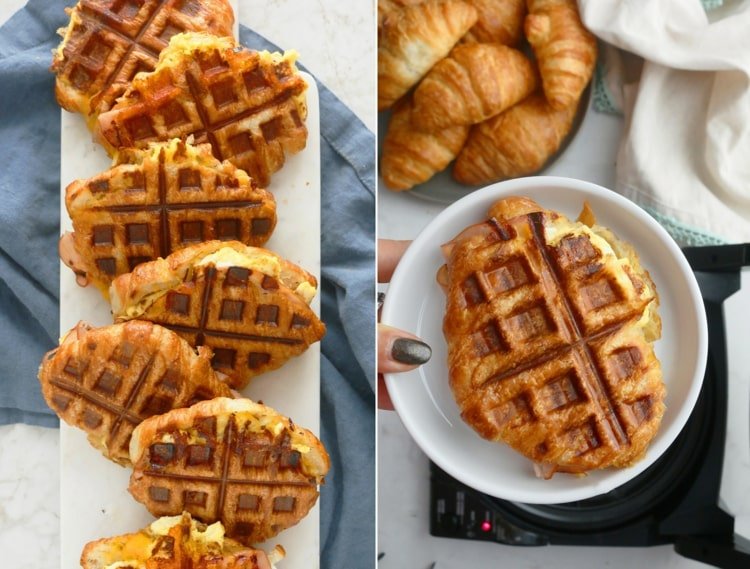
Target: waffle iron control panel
<point>461,513</point>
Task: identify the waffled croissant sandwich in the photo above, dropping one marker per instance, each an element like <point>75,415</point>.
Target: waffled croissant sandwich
<point>107,43</point>
<point>107,380</point>
<point>228,460</point>
<point>550,325</point>
<point>249,105</point>
<point>250,306</point>
<point>156,200</point>
<point>175,543</point>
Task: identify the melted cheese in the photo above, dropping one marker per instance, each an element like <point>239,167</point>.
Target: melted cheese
<point>214,534</point>
<point>130,564</point>
<point>306,291</point>
<point>611,249</point>
<point>135,550</point>
<point>163,525</point>
<point>212,537</point>
<point>257,261</point>
<point>184,45</point>
<point>129,551</point>
<point>138,309</point>
<point>276,555</point>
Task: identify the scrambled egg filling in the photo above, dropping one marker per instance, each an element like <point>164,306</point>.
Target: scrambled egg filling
<point>256,261</point>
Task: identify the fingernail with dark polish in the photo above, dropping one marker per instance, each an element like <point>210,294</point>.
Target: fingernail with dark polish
<point>410,352</point>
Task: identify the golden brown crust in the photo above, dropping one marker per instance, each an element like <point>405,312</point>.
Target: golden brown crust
<point>387,8</point>
<point>565,51</point>
<point>548,340</point>
<point>157,200</point>
<point>411,157</point>
<point>228,460</point>
<point>246,303</point>
<point>174,543</point>
<point>514,143</point>
<point>513,206</point>
<point>475,82</point>
<point>95,60</point>
<point>413,40</point>
<point>106,380</point>
<point>499,21</point>
<point>249,105</point>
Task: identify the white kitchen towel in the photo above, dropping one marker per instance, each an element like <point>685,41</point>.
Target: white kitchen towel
<point>685,153</point>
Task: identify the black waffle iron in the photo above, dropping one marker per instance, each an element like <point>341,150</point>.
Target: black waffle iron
<point>674,501</point>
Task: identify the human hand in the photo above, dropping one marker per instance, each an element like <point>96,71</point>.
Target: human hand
<point>397,350</point>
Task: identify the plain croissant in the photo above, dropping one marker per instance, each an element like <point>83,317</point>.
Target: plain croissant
<point>414,39</point>
<point>564,49</point>
<point>410,157</point>
<point>515,143</point>
<point>477,81</point>
<point>499,21</point>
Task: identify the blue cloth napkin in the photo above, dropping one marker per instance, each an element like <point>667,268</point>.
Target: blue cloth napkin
<point>29,270</point>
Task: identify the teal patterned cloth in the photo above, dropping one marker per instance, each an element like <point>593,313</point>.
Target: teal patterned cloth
<point>683,234</point>
<point>603,100</point>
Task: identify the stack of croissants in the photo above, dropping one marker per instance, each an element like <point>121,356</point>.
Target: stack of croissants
<point>461,88</point>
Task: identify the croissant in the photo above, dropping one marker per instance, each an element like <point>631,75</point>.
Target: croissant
<point>476,82</point>
<point>514,143</point>
<point>410,157</point>
<point>499,21</point>
<point>564,49</point>
<point>413,40</point>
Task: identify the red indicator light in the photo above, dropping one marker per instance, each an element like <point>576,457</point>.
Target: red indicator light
<point>486,526</point>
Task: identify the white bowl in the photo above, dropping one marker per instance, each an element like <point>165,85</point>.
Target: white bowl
<point>423,399</point>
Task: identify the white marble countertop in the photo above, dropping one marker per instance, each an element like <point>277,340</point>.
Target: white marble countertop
<point>336,42</point>
<point>403,469</point>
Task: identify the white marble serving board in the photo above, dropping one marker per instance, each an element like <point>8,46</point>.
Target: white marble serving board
<point>95,502</point>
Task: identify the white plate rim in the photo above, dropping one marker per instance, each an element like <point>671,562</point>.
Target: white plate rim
<point>520,186</point>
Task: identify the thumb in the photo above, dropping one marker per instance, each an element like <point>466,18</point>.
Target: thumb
<point>400,351</point>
